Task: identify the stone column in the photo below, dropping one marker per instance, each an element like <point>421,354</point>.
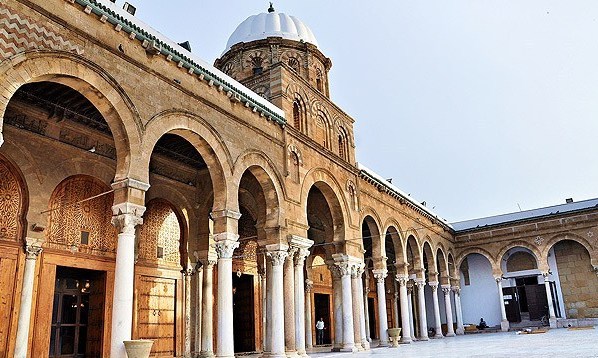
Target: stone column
<point>423,320</point>
<point>405,309</point>
<point>450,331</point>
<point>309,284</point>
<point>361,305</point>
<point>380,276</point>
<point>410,306</point>
<point>438,324</point>
<point>300,312</point>
<point>263,285</point>
<point>356,271</point>
<point>187,274</point>
<point>347,303</point>
<point>198,307</point>
<point>395,304</point>
<point>126,217</point>
<point>460,329</point>
<point>337,307</point>
<point>366,309</point>
<point>504,323</point>
<point>207,308</point>
<point>226,243</point>
<point>33,248</point>
<point>268,346</point>
<point>552,316</point>
<point>289,304</point>
<point>278,254</point>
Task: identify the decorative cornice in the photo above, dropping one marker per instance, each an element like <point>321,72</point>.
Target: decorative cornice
<point>156,46</point>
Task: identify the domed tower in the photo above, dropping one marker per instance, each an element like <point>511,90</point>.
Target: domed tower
<point>277,56</point>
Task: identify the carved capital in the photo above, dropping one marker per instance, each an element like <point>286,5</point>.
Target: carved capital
<point>188,272</point>
<point>446,289</point>
<point>402,279</point>
<point>595,269</point>
<point>291,255</point>
<point>357,270</point>
<point>126,216</point>
<point>433,285</point>
<point>498,279</point>
<point>32,251</point>
<point>278,257</point>
<point>380,275</point>
<point>209,263</point>
<point>300,256</point>
<point>225,248</point>
<point>420,284</point>
<point>456,290</point>
<point>344,268</point>
<point>409,290</point>
<point>309,284</point>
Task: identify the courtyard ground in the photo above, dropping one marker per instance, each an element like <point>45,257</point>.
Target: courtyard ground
<point>555,343</point>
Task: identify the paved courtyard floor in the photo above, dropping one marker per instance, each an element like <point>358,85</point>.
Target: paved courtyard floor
<point>555,343</point>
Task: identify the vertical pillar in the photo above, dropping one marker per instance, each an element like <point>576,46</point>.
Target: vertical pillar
<point>309,284</point>
<point>289,304</point>
<point>421,298</point>
<point>127,217</point>
<point>263,284</point>
<point>395,304</point>
<point>450,331</point>
<point>380,276</point>
<point>198,307</point>
<point>410,306</point>
<point>346,302</point>
<point>207,308</point>
<point>337,307</point>
<point>504,323</point>
<point>300,312</point>
<point>366,309</point>
<point>358,295</point>
<point>356,271</point>
<point>460,329</point>
<point>33,248</point>
<point>551,313</point>
<point>438,324</point>
<point>187,274</point>
<point>226,243</point>
<point>268,346</point>
<point>278,254</point>
<point>405,309</point>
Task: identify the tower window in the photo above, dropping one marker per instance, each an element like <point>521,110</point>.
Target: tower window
<point>319,84</point>
<point>296,115</point>
<point>257,65</point>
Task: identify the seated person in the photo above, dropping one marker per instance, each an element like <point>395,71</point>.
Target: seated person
<point>482,324</point>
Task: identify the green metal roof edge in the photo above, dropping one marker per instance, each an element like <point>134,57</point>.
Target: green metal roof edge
<point>165,49</point>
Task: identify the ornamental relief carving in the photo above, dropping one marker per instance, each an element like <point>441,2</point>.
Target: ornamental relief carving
<point>78,224</point>
<point>11,204</point>
<point>160,234</point>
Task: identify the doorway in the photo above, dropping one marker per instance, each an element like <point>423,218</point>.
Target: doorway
<point>372,317</point>
<point>78,313</point>
<point>526,301</point>
<point>322,310</point>
<point>243,313</point>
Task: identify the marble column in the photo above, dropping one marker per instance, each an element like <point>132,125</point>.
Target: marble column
<point>460,329</point>
<point>380,276</point>
<point>300,312</point>
<point>347,305</point>
<point>263,285</point>
<point>504,323</point>
<point>450,331</point>
<point>337,307</point>
<point>395,304</point>
<point>410,306</point>
<point>278,255</point>
<point>127,218</point>
<point>366,309</point>
<point>365,344</point>
<point>405,309</point>
<point>356,271</point>
<point>187,274</point>
<point>207,309</point>
<point>289,304</point>
<point>225,245</point>
<point>423,319</point>
<point>33,248</point>
<point>309,284</point>
<point>552,316</point>
<point>438,324</point>
<point>268,313</point>
<point>198,307</point>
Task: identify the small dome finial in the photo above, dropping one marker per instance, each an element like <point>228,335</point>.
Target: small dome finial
<point>271,8</point>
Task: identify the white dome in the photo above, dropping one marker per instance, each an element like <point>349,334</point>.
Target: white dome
<point>271,24</point>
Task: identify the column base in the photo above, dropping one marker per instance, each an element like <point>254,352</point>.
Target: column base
<point>335,349</point>
<point>206,354</point>
<point>359,347</point>
<point>226,356</point>
<point>406,340</point>
<point>504,326</point>
<point>450,334</point>
<point>438,335</point>
<point>383,344</point>
<point>349,348</point>
<point>365,344</point>
<point>460,331</point>
<point>292,354</point>
<point>425,338</point>
<point>276,355</point>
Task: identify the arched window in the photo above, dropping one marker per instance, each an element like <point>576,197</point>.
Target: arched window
<point>296,115</point>
<point>257,65</point>
<point>294,64</point>
<point>319,84</point>
<point>343,150</point>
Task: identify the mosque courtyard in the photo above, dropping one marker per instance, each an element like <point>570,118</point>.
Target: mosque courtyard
<point>554,343</point>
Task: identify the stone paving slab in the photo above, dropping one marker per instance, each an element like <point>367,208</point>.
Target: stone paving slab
<point>555,343</point>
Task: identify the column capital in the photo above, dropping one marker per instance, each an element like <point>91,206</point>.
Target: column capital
<point>188,272</point>
<point>546,274</point>
<point>126,216</point>
<point>456,290</point>
<point>300,256</point>
<point>380,274</point>
<point>357,270</point>
<point>446,289</point>
<point>278,257</point>
<point>209,262</point>
<point>344,268</point>
<point>225,248</point>
<point>402,279</point>
<point>433,285</point>
<point>33,248</point>
<point>420,283</point>
<point>309,284</point>
<point>498,279</point>
<point>225,213</point>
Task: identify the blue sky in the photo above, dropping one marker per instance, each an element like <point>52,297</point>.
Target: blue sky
<point>477,107</point>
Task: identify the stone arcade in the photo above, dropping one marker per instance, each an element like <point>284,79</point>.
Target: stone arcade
<point>146,194</point>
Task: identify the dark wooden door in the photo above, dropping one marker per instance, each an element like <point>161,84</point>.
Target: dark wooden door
<point>243,313</point>
<point>511,302</point>
<point>537,302</point>
<point>322,310</point>
<point>372,317</point>
<point>157,313</point>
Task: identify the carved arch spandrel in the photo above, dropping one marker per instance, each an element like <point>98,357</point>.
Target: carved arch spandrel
<point>13,202</point>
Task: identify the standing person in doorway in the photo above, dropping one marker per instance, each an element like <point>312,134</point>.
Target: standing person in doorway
<point>320,332</point>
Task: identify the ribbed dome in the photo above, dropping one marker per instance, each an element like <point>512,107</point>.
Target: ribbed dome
<point>271,24</point>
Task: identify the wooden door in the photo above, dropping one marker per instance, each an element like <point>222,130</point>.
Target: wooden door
<point>537,302</point>
<point>511,302</point>
<point>157,313</point>
<point>8,267</point>
<point>243,313</point>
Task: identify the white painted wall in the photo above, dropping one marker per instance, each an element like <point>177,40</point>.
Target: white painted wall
<point>480,298</point>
